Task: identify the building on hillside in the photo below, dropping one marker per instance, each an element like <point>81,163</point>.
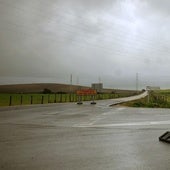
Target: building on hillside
<point>150,88</point>
<point>97,86</point>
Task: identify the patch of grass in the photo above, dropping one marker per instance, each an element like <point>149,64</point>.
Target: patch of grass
<point>27,99</point>
<point>157,99</point>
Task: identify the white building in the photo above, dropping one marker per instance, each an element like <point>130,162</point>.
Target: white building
<point>153,88</point>
<point>97,86</point>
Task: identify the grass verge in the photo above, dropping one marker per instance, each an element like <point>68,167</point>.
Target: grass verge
<point>27,99</point>
<point>156,99</point>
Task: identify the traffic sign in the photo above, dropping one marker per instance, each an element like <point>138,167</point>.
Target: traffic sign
<point>86,92</point>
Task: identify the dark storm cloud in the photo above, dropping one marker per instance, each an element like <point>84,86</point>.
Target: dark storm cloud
<point>112,39</point>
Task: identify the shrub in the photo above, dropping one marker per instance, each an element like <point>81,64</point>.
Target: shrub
<point>47,91</point>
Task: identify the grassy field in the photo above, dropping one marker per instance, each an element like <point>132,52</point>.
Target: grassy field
<point>25,94</point>
<point>27,99</point>
<point>156,99</point>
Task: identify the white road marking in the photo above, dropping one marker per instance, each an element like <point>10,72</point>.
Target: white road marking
<point>97,118</point>
<point>125,124</point>
<point>120,108</point>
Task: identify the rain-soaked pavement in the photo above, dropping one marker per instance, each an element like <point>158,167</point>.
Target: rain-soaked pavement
<point>83,137</point>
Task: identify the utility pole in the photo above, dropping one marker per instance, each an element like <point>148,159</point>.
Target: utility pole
<point>99,79</point>
<point>71,79</point>
<point>77,80</point>
<point>78,84</point>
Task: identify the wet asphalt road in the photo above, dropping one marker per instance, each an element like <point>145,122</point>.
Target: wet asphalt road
<point>83,137</point>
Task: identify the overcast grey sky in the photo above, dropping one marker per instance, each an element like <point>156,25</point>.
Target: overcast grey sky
<point>110,40</point>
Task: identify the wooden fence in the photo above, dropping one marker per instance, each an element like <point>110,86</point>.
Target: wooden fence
<point>27,99</point>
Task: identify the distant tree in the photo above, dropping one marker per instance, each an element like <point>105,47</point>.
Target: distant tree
<point>47,91</point>
<point>143,90</point>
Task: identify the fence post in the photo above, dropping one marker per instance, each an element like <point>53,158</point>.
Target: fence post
<point>48,98</point>
<point>65,97</point>
<point>42,100</point>
<point>21,99</point>
<point>55,99</point>
<point>31,99</point>
<point>10,100</point>
<point>60,97</point>
<point>70,97</point>
<point>75,97</point>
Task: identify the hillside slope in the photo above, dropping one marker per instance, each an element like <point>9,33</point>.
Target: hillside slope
<point>55,88</point>
<point>38,88</point>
